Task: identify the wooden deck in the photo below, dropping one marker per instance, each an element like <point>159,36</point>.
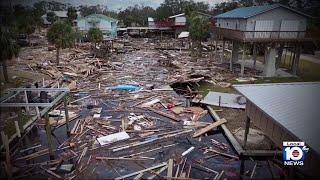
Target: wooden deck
<point>264,36</point>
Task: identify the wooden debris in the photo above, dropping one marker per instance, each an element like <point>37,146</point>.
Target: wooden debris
<point>164,114</point>
<point>187,151</point>
<point>158,172</point>
<point>170,168</point>
<point>124,158</point>
<point>141,171</point>
<point>208,128</point>
<point>224,154</point>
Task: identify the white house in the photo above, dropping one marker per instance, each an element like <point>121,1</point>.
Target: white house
<point>151,22</point>
<point>268,25</point>
<point>106,24</point>
<point>178,20</point>
<point>275,20</point>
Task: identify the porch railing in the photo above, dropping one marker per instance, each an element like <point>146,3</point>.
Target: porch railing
<point>263,35</point>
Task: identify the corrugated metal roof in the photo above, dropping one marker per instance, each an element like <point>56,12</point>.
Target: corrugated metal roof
<point>295,106</point>
<point>246,12</point>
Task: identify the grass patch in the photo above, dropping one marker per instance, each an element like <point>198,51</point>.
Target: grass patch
<point>308,71</point>
<point>10,126</point>
<point>205,88</point>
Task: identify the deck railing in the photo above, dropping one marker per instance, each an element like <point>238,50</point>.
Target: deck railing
<point>262,35</point>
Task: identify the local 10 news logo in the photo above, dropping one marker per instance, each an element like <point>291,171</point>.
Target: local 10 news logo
<point>294,153</point>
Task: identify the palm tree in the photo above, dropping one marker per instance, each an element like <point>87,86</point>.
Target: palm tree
<point>62,36</point>
<point>95,36</point>
<point>9,49</point>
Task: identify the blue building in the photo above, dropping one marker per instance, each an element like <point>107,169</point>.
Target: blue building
<point>106,24</point>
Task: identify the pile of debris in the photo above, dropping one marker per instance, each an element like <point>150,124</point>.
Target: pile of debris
<point>127,122</point>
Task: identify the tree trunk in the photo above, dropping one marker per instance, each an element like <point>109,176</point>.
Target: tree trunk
<point>5,71</point>
<point>58,53</point>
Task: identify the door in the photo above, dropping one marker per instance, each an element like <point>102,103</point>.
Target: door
<point>289,25</point>
<point>265,25</point>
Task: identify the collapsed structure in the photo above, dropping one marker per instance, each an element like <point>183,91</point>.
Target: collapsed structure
<point>135,112</point>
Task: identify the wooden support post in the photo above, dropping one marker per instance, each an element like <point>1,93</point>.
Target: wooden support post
<point>215,49</point>
<point>43,84</point>
<point>26,99</point>
<point>242,169</point>
<point>254,55</point>
<point>20,120</point>
<point>5,142</point>
<point>66,115</point>
<point>278,60</point>
<point>49,138</point>
<point>170,169</point>
<point>295,65</point>
<point>38,112</point>
<point>243,60</point>
<point>246,132</point>
<point>17,128</point>
<point>223,51</point>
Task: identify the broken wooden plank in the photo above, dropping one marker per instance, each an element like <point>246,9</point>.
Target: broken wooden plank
<point>51,173</point>
<point>188,151</point>
<point>123,158</point>
<point>224,154</point>
<point>141,171</point>
<point>227,132</point>
<point>164,114</point>
<point>82,154</point>
<point>170,168</point>
<point>158,172</point>
<point>208,128</point>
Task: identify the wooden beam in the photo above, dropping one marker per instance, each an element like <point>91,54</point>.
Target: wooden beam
<point>227,132</point>
<point>141,171</point>
<point>209,127</point>
<point>164,114</point>
<point>66,115</point>
<point>5,141</point>
<point>49,138</point>
<point>246,132</point>
<point>170,169</point>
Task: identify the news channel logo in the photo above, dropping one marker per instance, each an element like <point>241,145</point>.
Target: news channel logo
<point>294,153</point>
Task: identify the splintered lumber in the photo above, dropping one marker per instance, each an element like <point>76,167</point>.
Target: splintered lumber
<point>170,169</point>
<point>151,150</point>
<point>227,132</point>
<point>51,173</point>
<point>158,172</point>
<point>164,114</point>
<point>141,171</point>
<point>82,154</point>
<point>188,151</point>
<point>151,140</point>
<point>34,155</point>
<point>224,154</point>
<point>139,176</point>
<point>122,158</point>
<point>209,127</point>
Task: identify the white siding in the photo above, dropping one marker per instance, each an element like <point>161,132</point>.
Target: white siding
<point>277,15</point>
<point>181,20</point>
<point>236,24</point>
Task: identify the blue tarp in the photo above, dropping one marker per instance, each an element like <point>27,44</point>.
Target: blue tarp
<point>125,87</point>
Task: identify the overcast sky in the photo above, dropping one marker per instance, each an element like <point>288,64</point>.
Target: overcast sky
<point>111,4</point>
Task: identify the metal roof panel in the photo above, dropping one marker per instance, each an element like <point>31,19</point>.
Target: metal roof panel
<point>295,106</point>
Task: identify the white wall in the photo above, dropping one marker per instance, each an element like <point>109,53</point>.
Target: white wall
<point>236,24</point>
<point>277,15</point>
<point>181,20</point>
